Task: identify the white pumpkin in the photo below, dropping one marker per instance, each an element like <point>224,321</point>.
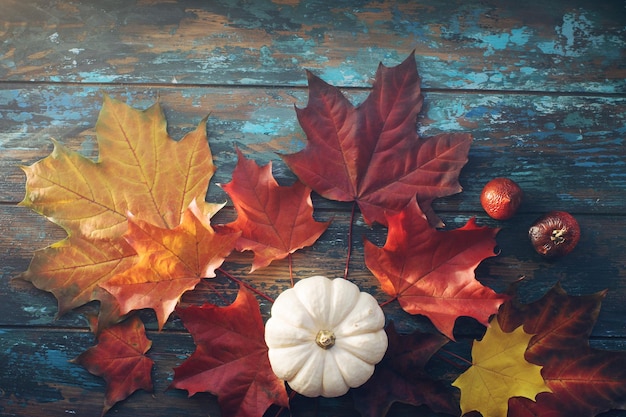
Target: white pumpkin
<point>325,336</point>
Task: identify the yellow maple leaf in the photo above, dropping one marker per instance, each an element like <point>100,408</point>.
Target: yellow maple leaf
<point>499,371</point>
<point>140,170</point>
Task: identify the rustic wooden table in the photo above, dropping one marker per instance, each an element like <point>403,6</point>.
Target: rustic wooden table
<point>540,85</point>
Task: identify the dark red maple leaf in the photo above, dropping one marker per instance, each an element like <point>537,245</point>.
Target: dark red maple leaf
<point>230,359</point>
<point>274,220</point>
<point>400,377</point>
<point>119,358</point>
<point>431,272</point>
<point>372,154</point>
<point>584,381</point>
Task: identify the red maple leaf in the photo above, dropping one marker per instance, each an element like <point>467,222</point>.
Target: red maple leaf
<point>119,357</point>
<point>372,154</point>
<point>400,377</point>
<point>274,221</point>
<point>584,381</point>
<point>170,262</point>
<point>431,272</point>
<point>230,359</point>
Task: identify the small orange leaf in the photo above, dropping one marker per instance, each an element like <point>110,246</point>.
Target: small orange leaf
<point>171,261</point>
<point>274,220</point>
<point>499,371</point>
<point>119,358</point>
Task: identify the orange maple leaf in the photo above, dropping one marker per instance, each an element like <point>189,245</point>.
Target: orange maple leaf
<point>171,261</point>
<point>431,272</point>
<point>119,357</point>
<point>140,169</point>
<point>274,220</point>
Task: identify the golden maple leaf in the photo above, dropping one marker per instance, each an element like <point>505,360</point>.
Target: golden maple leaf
<point>139,170</point>
<point>499,371</point>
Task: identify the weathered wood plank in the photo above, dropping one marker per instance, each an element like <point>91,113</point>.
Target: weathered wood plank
<point>597,264</point>
<point>565,151</point>
<point>503,45</point>
<point>37,379</point>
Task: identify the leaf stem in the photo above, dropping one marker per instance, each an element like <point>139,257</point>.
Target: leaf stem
<point>291,395</point>
<point>290,269</point>
<point>350,227</point>
<point>454,355</point>
<point>392,299</point>
<point>219,294</point>
<point>248,286</point>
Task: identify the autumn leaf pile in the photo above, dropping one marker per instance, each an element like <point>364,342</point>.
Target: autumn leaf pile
<point>140,234</point>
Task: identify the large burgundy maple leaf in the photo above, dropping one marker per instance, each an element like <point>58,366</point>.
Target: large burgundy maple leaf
<point>431,272</point>
<point>230,359</point>
<point>119,358</point>
<point>372,154</point>
<point>274,220</point>
<point>584,381</point>
<point>401,377</point>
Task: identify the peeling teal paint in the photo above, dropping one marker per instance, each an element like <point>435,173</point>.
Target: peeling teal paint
<point>576,119</point>
<point>266,128</point>
<point>266,56</point>
<point>445,118</point>
<point>520,36</point>
<point>527,70</point>
<point>575,38</point>
<point>342,75</point>
<point>97,77</point>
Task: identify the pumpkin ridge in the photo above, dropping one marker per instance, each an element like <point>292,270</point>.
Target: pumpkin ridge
<point>311,295</point>
<point>344,299</point>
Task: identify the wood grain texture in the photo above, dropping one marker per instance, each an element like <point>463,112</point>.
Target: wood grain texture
<point>540,85</point>
<point>495,45</point>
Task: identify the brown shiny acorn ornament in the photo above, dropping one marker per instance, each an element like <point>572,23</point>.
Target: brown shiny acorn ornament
<point>554,234</point>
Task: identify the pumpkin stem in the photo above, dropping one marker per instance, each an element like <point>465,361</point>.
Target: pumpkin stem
<point>325,339</point>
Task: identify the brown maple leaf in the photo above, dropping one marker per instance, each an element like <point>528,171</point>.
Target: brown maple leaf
<point>274,220</point>
<point>140,169</point>
<point>372,154</point>
<point>170,262</point>
<point>119,358</point>
<point>401,377</point>
<point>431,272</point>
<point>231,358</point>
<point>584,381</point>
